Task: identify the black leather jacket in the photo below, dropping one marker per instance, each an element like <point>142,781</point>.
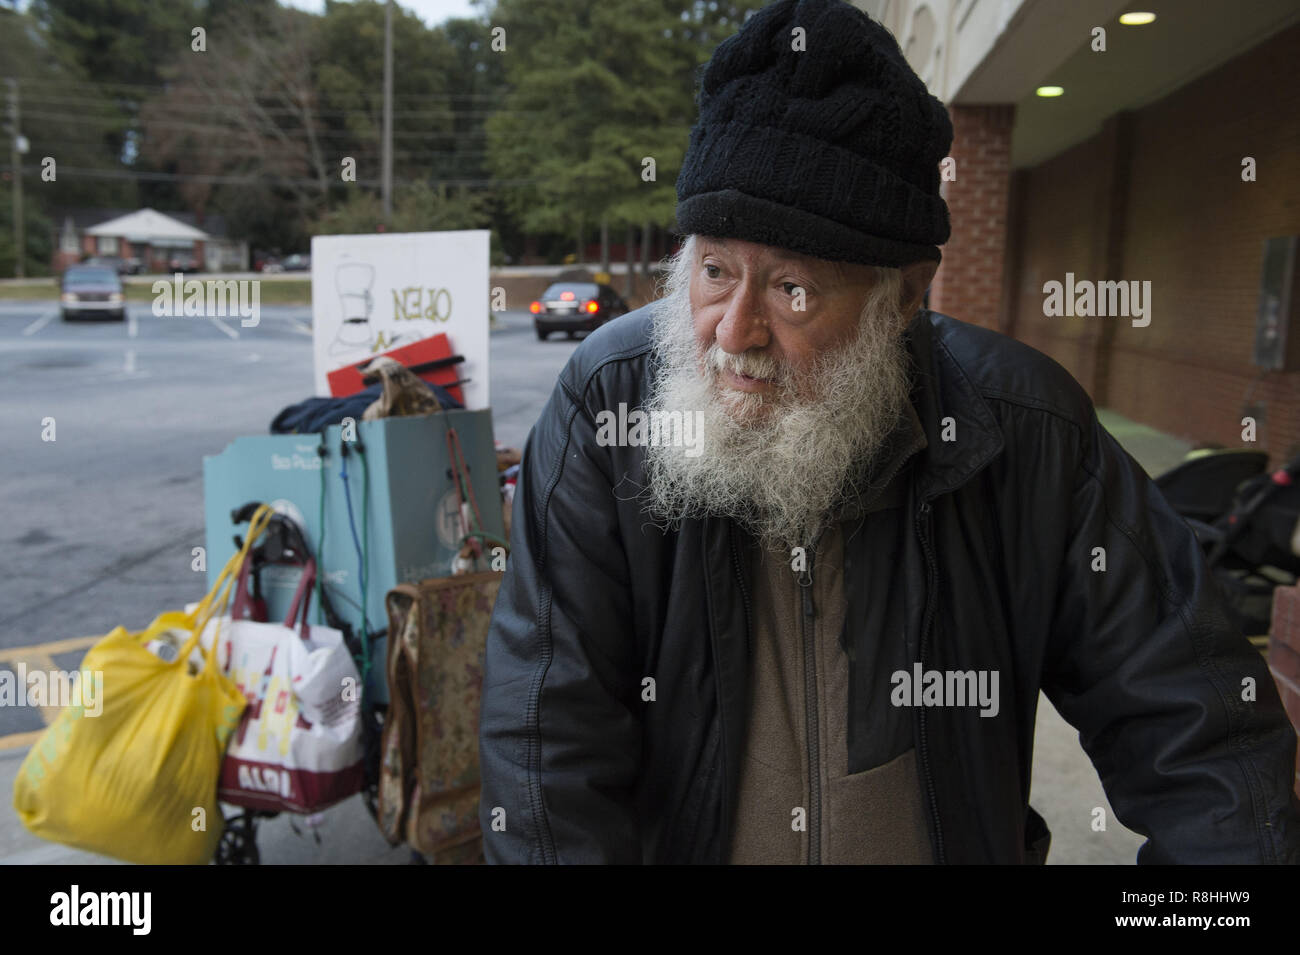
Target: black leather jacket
<point>1141,658</point>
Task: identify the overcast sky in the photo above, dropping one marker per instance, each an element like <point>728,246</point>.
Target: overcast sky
<point>432,12</point>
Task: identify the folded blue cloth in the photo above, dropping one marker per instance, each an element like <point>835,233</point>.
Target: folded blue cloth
<point>316,413</point>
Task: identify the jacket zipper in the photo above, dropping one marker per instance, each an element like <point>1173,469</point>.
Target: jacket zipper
<point>727,823</point>
<point>744,592</point>
<point>923,530</point>
<point>810,711</point>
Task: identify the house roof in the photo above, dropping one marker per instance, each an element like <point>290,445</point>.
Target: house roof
<point>82,217</point>
<point>147,225</point>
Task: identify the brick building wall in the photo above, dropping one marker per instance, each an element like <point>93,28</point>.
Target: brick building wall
<point>1057,208</point>
<point>969,282</point>
<point>1158,196</point>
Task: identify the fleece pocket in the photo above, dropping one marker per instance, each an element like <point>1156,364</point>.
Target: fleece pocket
<point>876,817</point>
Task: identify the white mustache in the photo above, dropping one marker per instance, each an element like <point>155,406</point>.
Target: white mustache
<point>751,364</point>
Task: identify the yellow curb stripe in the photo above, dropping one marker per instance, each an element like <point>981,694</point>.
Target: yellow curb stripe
<point>45,663</point>
<point>54,646</point>
<point>19,740</point>
<point>39,657</point>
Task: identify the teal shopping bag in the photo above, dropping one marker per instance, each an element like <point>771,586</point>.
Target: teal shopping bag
<point>395,518</point>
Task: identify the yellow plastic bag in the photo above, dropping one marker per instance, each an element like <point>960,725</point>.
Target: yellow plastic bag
<point>138,781</point>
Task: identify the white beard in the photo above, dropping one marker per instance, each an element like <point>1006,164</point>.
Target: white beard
<point>780,463</point>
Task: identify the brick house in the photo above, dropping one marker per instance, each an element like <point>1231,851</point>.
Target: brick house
<point>155,238</point>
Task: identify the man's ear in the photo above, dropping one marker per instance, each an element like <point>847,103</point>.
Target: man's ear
<point>916,279</point>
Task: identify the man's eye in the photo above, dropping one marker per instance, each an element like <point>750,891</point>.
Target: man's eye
<point>790,287</point>
<point>712,271</point>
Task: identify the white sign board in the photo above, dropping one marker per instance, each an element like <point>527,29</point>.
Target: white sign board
<point>373,293</point>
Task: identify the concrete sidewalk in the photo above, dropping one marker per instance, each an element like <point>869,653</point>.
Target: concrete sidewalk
<point>1065,788</point>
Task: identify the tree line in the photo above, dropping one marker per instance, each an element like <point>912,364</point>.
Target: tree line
<point>555,120</point>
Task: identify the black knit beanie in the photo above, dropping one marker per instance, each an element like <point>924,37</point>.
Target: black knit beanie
<point>832,150</point>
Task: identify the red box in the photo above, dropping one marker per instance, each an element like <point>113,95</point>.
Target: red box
<point>347,380</point>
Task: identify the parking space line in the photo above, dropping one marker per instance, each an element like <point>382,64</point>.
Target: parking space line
<point>132,326</point>
<point>300,327</point>
<point>40,323</point>
<point>224,327</point>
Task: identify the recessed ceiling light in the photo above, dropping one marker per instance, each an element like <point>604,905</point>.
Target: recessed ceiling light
<point>1136,18</point>
<point>1050,90</point>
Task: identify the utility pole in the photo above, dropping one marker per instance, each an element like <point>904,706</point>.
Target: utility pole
<point>386,186</point>
<point>631,261</point>
<point>18,147</point>
<point>604,243</point>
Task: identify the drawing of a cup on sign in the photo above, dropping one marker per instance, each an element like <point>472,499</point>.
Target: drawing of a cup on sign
<point>353,281</point>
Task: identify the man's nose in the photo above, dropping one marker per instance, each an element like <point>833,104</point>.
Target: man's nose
<point>744,324</point>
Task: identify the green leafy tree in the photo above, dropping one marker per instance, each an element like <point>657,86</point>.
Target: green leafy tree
<point>417,207</point>
<point>38,237</point>
<point>476,85</point>
<point>63,116</point>
<point>349,74</point>
<point>295,98</point>
<point>119,48</point>
<point>601,104</point>
<point>120,43</point>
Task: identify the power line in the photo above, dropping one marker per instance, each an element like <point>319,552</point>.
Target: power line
<point>102,88</point>
<point>235,131</point>
<point>84,173</point>
<point>236,150</point>
<point>284,110</point>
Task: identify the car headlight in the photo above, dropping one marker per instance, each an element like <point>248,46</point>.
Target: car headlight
<point>116,297</point>
<point>68,298</point>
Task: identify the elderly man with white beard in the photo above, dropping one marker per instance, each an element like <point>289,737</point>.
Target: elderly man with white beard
<point>820,634</point>
<point>796,370</point>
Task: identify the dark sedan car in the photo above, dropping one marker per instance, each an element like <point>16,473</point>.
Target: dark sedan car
<point>183,262</point>
<point>91,291</point>
<point>575,307</point>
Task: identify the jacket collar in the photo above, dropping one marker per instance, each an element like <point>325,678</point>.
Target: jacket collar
<point>941,389</point>
<point>878,481</point>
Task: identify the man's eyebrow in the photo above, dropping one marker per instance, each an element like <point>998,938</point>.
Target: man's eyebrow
<point>818,268</point>
<point>783,258</point>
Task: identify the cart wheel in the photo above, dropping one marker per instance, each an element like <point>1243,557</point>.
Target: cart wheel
<point>370,799</point>
<point>238,845</point>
